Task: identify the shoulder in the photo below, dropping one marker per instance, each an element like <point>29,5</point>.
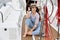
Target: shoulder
<point>37,14</point>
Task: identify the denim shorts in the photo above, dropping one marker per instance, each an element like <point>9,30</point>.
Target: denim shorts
<point>29,23</point>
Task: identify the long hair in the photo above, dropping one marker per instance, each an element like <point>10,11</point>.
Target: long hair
<point>37,10</point>
<point>27,7</point>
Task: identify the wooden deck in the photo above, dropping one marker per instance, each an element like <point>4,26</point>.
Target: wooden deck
<point>30,37</point>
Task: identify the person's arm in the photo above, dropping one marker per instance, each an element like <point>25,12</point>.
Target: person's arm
<point>36,22</point>
<point>28,15</point>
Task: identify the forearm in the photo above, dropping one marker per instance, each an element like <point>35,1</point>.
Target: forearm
<point>27,15</point>
<point>35,26</point>
<point>36,22</point>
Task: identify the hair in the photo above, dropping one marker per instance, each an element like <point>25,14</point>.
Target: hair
<point>37,10</point>
<point>27,7</point>
<point>32,6</point>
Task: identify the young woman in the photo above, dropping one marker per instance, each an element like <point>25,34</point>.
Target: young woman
<point>32,22</point>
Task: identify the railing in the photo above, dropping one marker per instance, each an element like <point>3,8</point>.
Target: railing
<point>2,16</point>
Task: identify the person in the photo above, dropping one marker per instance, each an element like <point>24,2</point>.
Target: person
<point>32,22</point>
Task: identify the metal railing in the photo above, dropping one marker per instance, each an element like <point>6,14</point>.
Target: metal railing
<point>2,16</point>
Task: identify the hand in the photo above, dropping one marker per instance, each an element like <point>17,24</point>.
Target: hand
<point>30,32</point>
<point>27,15</point>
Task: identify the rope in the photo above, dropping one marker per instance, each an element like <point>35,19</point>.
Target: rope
<point>52,8</point>
<point>48,30</point>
